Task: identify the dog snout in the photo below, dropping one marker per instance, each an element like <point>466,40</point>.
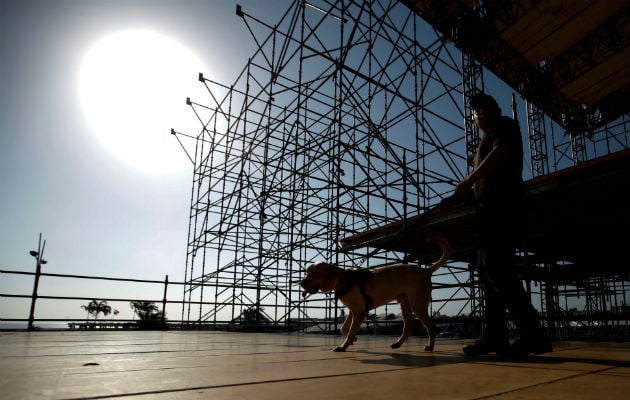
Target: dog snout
<point>309,286</point>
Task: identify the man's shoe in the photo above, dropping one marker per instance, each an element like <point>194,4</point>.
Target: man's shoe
<point>484,346</point>
<point>523,348</point>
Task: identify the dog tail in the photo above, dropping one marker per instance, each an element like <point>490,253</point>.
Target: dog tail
<point>446,253</point>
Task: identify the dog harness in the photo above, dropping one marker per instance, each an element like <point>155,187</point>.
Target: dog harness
<point>356,277</point>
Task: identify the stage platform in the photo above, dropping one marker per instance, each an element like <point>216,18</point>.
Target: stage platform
<point>228,365</point>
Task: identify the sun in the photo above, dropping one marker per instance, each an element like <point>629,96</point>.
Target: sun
<point>133,87</point>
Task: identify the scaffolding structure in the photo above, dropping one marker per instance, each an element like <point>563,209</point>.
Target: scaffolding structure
<point>348,116</point>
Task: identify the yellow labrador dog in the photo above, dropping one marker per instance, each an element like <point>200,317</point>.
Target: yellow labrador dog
<point>362,290</point>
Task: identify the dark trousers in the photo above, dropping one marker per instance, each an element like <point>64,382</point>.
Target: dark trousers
<point>503,291</point>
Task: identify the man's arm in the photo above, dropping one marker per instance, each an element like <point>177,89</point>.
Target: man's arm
<point>496,158</point>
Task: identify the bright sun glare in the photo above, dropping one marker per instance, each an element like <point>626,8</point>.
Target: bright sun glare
<point>133,87</point>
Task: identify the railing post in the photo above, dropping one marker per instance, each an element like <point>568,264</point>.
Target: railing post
<point>39,255</point>
<point>164,301</point>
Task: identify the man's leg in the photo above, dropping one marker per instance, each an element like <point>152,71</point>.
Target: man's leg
<point>512,294</point>
<point>495,337</point>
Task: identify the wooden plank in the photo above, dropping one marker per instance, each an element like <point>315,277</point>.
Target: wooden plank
<point>543,21</point>
<point>573,30</point>
<point>220,365</point>
<point>600,81</point>
<point>564,209</point>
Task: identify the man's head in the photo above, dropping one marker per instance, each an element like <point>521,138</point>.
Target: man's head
<point>482,100</point>
<point>485,109</point>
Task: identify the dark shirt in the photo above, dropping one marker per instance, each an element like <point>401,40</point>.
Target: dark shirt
<point>500,195</point>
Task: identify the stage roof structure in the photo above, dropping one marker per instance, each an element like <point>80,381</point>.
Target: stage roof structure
<point>570,58</point>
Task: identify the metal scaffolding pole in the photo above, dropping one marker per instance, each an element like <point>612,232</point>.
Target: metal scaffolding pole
<point>348,116</point>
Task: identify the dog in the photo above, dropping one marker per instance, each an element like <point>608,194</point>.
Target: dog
<point>362,290</point>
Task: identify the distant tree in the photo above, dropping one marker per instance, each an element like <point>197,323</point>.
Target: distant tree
<point>96,307</point>
<point>149,314</point>
<point>251,315</point>
<point>90,308</point>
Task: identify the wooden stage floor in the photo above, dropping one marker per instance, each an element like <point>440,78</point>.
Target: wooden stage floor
<point>257,366</point>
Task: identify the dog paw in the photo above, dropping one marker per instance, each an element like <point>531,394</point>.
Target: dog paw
<point>395,345</point>
<point>428,348</point>
<point>339,349</point>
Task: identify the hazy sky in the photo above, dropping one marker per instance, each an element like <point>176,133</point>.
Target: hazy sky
<point>98,214</point>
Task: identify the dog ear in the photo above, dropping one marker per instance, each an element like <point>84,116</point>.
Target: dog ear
<point>311,267</point>
<point>328,278</point>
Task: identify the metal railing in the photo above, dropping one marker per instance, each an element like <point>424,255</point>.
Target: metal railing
<point>72,322</point>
